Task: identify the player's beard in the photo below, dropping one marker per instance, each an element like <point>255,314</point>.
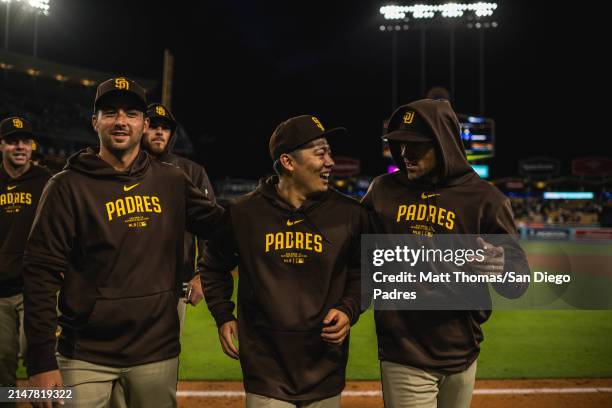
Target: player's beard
<point>120,149</point>
<point>153,148</point>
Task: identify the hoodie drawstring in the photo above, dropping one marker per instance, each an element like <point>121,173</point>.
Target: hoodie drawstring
<point>430,199</point>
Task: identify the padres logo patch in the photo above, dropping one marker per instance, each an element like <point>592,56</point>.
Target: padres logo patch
<point>17,123</point>
<point>318,123</point>
<point>160,110</point>
<point>408,117</point>
<point>122,83</point>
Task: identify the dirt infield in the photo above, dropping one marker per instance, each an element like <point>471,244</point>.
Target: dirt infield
<point>566,393</point>
<point>574,393</point>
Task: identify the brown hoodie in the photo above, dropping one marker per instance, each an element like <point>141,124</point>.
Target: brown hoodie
<point>295,265</point>
<point>18,200</point>
<point>111,242</point>
<point>448,341</point>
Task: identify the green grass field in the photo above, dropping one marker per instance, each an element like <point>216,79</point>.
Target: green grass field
<point>518,344</point>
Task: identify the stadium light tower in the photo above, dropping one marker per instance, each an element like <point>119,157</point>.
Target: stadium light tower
<point>38,7</point>
<point>422,17</point>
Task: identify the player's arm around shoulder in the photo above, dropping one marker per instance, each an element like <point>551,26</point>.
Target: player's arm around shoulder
<point>219,258</point>
<point>202,214</point>
<point>339,320</point>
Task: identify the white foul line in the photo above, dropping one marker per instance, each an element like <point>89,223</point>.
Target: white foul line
<point>478,391</point>
<point>506,391</point>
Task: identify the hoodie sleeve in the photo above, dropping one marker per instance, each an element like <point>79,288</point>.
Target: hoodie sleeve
<point>351,298</point>
<point>367,202</point>
<point>45,261</point>
<point>202,215</point>
<point>500,222</point>
<point>205,186</point>
<point>220,257</point>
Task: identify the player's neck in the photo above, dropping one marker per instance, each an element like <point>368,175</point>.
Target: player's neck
<point>289,192</point>
<point>13,171</point>
<point>120,160</point>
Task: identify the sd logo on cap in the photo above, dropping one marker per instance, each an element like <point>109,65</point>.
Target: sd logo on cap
<point>120,85</point>
<point>406,125</point>
<point>157,112</point>
<point>16,127</point>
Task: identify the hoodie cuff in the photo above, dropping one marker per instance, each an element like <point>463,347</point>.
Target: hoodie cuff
<point>344,309</point>
<point>224,318</point>
<point>41,358</point>
<point>223,313</point>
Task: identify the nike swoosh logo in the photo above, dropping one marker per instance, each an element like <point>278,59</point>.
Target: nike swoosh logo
<point>426,196</point>
<point>9,188</point>
<point>126,188</point>
<point>292,223</point>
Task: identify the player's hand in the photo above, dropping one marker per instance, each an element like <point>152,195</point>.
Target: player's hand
<point>47,380</point>
<point>195,293</point>
<point>493,263</point>
<point>336,326</point>
<point>227,333</point>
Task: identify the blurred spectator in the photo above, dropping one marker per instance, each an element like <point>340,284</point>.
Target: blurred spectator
<point>532,210</point>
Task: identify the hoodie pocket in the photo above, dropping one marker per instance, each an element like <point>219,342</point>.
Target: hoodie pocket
<point>131,327</point>
<point>438,338</point>
<point>299,360</point>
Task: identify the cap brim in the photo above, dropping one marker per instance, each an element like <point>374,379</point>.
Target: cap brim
<point>407,136</point>
<point>141,103</point>
<point>171,121</point>
<point>339,131</point>
<point>18,134</point>
<point>335,132</point>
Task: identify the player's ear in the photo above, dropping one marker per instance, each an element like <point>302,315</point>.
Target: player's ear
<point>287,161</point>
<point>147,123</point>
<point>94,121</point>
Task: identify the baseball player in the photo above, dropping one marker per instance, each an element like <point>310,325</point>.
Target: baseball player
<point>158,140</point>
<point>297,244</point>
<point>428,358</point>
<point>108,234</point>
<point>21,184</point>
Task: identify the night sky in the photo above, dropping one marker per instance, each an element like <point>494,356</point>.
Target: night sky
<point>242,67</point>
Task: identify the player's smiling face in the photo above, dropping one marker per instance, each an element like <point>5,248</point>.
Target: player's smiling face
<point>419,159</point>
<point>120,123</point>
<point>312,167</point>
<point>156,137</point>
<point>17,151</point>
